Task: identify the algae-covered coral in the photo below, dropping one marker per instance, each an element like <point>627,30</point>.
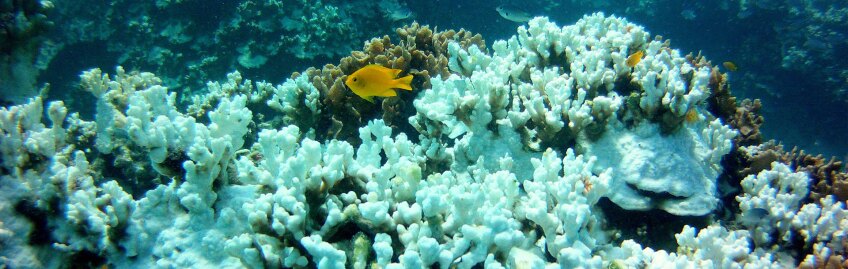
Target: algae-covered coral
<point>502,157</point>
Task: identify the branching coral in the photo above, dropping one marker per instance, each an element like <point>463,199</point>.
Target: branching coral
<point>421,52</point>
<point>501,159</point>
<point>818,229</point>
<point>744,116</point>
<point>827,176</point>
<point>551,87</point>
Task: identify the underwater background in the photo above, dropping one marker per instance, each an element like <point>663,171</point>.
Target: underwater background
<point>259,84</point>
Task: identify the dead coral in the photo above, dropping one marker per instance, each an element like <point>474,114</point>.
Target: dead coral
<point>420,52</point>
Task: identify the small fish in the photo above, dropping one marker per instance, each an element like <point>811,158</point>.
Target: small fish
<point>376,80</point>
<point>513,14</point>
<point>731,66</point>
<point>397,15</point>
<point>754,216</point>
<point>634,58</point>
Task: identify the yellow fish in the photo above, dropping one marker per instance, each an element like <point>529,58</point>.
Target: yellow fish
<point>376,80</point>
<point>634,58</point>
<point>730,66</point>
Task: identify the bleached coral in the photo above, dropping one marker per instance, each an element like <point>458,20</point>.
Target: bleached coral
<point>779,191</point>
<point>297,99</point>
<point>562,206</point>
<point>712,247</point>
<point>647,166</point>
<point>825,228</point>
<point>240,190</point>
<point>548,78</point>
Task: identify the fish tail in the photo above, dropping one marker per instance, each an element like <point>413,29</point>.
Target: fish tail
<point>404,83</point>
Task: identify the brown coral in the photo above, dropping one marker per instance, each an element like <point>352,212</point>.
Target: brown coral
<point>721,102</point>
<point>420,52</point>
<point>827,177</point>
<point>747,120</point>
<point>744,117</point>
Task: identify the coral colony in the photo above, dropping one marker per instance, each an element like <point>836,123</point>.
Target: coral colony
<point>501,157</point>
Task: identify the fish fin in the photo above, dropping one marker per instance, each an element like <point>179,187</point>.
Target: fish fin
<point>404,83</point>
<point>381,68</point>
<point>396,72</point>
<point>370,99</point>
<point>389,93</point>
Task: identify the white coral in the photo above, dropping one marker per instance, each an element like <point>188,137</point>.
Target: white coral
<point>779,191</point>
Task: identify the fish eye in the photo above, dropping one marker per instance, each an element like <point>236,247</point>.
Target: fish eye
<point>354,79</point>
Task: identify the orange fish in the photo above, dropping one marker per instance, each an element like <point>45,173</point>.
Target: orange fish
<point>634,58</point>
<point>730,66</point>
<point>376,80</point>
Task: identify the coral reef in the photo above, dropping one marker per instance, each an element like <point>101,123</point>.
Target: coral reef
<point>743,116</point>
<point>498,159</point>
<point>828,177</point>
<point>420,52</point>
<point>543,80</point>
<point>813,41</point>
<point>780,192</point>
